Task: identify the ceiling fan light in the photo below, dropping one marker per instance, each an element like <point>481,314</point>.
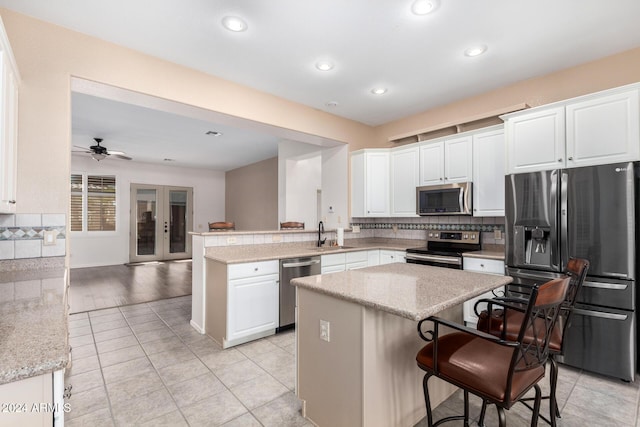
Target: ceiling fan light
<point>98,156</point>
<point>234,23</point>
<point>424,7</point>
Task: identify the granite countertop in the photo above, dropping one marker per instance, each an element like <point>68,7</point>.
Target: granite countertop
<point>33,319</point>
<point>411,291</point>
<point>242,232</point>
<point>251,253</point>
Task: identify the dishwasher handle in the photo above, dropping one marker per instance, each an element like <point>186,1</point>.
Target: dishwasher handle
<point>300,264</point>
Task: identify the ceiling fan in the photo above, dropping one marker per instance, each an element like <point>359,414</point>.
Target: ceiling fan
<point>99,152</point>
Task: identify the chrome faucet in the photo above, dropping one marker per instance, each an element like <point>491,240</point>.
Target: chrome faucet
<point>320,232</point>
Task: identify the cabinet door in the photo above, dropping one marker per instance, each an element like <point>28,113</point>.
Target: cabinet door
<point>536,141</point>
<point>490,266</point>
<point>8,138</point>
<point>405,171</point>
<point>432,163</point>
<point>458,159</point>
<point>603,130</point>
<point>357,185</point>
<point>373,257</point>
<point>332,268</point>
<point>390,257</point>
<point>488,173</point>
<point>377,183</point>
<point>253,306</point>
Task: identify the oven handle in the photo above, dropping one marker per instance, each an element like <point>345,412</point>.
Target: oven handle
<point>443,260</point>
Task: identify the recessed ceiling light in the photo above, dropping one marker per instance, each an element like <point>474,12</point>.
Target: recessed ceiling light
<point>476,50</point>
<point>424,7</point>
<point>233,23</point>
<point>331,104</point>
<point>169,160</point>
<point>213,133</point>
<point>324,65</point>
<point>379,90</point>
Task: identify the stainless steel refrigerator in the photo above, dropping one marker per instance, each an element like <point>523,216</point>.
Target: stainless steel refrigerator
<point>587,212</point>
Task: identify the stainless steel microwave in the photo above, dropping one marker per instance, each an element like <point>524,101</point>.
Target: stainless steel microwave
<point>446,199</point>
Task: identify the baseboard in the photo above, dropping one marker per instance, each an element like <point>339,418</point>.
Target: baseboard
<point>196,326</point>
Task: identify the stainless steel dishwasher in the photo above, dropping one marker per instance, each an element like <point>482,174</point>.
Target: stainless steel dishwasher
<point>290,269</point>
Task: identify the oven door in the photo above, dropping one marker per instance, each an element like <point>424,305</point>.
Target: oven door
<point>435,260</point>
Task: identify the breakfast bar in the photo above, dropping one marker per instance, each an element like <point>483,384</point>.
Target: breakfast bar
<point>357,340</point>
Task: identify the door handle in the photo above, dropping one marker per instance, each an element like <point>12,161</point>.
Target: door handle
<point>300,264</point>
<point>604,285</point>
<point>600,314</point>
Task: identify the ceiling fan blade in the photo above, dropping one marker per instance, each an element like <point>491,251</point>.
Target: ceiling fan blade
<point>120,156</point>
<point>115,152</point>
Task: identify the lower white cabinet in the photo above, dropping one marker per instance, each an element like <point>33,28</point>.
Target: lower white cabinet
<point>480,265</point>
<point>390,256</point>
<point>333,263</point>
<point>249,310</point>
<point>34,401</point>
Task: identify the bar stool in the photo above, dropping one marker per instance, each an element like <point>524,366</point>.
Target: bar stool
<point>292,225</point>
<point>503,322</point>
<point>222,226</point>
<point>498,371</point>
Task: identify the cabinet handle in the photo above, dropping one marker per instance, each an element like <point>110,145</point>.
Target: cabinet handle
<point>481,265</point>
<point>440,178</point>
<point>255,269</point>
<point>570,158</point>
<point>560,159</point>
<point>11,202</point>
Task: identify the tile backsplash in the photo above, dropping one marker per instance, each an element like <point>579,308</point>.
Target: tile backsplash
<point>22,235</point>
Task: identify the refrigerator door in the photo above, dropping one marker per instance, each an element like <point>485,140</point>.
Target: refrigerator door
<point>601,340</point>
<point>601,219</point>
<point>531,220</point>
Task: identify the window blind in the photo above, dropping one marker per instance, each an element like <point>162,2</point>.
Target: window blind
<point>100,197</point>
<point>76,202</point>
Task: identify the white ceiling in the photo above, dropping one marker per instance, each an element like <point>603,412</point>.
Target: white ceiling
<point>372,43</point>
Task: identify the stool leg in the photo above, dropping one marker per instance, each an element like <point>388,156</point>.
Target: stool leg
<point>536,406</point>
<point>554,412</point>
<point>502,419</point>
<point>466,408</point>
<point>427,402</point>
<point>483,412</point>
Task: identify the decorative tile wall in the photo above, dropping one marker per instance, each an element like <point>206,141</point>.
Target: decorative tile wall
<point>22,235</point>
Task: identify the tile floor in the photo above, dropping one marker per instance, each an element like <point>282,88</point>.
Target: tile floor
<point>144,365</point>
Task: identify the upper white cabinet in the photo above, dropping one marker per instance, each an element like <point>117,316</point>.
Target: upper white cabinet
<point>405,174</point>
<point>488,173</point>
<point>536,140</point>
<point>9,79</point>
<point>603,130</point>
<point>444,161</point>
<point>595,129</point>
<point>370,183</point>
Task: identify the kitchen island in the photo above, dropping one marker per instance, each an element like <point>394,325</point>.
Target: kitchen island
<point>357,340</point>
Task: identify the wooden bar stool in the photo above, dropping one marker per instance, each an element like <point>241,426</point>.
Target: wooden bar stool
<point>222,226</point>
<point>292,225</point>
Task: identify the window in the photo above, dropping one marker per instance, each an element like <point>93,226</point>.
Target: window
<point>93,202</point>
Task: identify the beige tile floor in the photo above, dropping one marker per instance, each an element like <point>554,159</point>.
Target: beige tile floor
<point>143,364</point>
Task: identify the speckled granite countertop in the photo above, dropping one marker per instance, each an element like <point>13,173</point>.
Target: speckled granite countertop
<point>251,253</point>
<point>33,319</point>
<point>411,291</point>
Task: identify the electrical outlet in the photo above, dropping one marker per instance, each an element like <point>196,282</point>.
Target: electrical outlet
<point>355,229</point>
<point>49,237</point>
<point>324,330</point>
<point>497,234</point>
<point>394,227</point>
<point>276,238</point>
<point>231,240</point>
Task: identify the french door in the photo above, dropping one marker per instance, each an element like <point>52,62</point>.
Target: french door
<point>161,218</point>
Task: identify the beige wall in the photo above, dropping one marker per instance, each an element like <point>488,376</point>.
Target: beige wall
<point>251,196</point>
<point>606,73</point>
<point>49,55</point>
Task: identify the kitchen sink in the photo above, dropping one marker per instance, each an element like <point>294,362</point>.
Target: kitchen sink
<point>332,248</point>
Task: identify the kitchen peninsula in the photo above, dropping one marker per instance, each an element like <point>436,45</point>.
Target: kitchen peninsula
<point>357,340</point>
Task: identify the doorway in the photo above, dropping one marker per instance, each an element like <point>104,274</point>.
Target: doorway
<point>161,218</point>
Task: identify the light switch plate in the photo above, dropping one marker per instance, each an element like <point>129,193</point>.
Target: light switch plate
<point>49,237</point>
<point>497,234</point>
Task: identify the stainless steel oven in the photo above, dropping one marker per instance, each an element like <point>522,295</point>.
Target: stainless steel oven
<point>445,249</point>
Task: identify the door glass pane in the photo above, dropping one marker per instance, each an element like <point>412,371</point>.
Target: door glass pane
<point>146,221</point>
<point>178,221</point>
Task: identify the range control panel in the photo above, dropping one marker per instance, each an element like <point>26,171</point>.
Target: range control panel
<point>472,237</point>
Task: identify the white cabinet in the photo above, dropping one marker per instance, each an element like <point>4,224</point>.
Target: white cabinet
<point>355,260</point>
<point>603,130</point>
<point>488,173</point>
<point>252,301</point>
<point>390,256</point>
<point>595,129</point>
<point>446,161</point>
<point>29,402</point>
<point>480,265</point>
<point>370,183</point>
<point>405,175</point>
<point>373,257</point>
<point>9,79</point>
<point>333,263</point>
